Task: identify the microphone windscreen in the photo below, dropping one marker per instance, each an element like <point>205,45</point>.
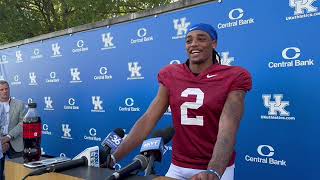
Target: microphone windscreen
<point>119,132</point>
<point>168,134</point>
<point>157,133</point>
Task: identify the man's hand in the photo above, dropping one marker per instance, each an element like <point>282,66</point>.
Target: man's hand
<point>204,176</point>
<point>5,147</point>
<point>108,163</point>
<point>5,139</point>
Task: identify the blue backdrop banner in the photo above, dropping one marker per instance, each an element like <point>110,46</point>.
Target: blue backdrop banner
<point>89,83</point>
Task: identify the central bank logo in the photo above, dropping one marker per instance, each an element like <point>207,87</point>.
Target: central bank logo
<point>19,57</point>
<point>45,129</point>
<point>4,59</point>
<point>175,61</point>
<point>129,106</point>
<point>265,155</point>
<point>66,131</point>
<point>75,75</point>
<point>236,19</point>
<point>142,34</point>
<point>181,26</point>
<point>107,40</point>
<point>48,101</point>
<point>103,74</point>
<point>80,47</point>
<point>92,135</point>
<point>291,58</point>
<point>33,79</point>
<point>36,54</point>
<point>55,50</point>
<point>276,107</point>
<point>97,104</point>
<point>134,68</point>
<point>29,100</point>
<point>226,59</point>
<point>71,105</point>
<point>16,80</point>
<point>302,9</point>
<point>53,78</point>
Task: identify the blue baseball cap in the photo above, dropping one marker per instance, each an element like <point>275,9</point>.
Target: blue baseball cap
<point>205,28</point>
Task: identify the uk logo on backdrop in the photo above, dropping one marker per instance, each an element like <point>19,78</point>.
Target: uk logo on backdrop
<point>19,58</point>
<point>92,135</point>
<point>4,59</point>
<point>81,47</point>
<point>265,154</point>
<point>45,129</point>
<point>16,80</point>
<point>103,74</point>
<point>226,59</point>
<point>97,104</point>
<point>33,79</point>
<point>291,57</point>
<point>129,106</point>
<point>75,75</point>
<point>181,26</point>
<point>71,105</point>
<point>142,36</point>
<point>135,71</point>
<point>66,131</point>
<point>107,41</point>
<point>56,50</point>
<point>303,9</point>
<point>53,78</point>
<point>277,107</point>
<point>237,17</point>
<point>49,104</point>
<point>36,54</point>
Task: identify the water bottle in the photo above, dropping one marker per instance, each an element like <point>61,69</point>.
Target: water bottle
<point>32,134</point>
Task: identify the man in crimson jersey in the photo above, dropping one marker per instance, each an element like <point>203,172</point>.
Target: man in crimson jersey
<point>207,103</point>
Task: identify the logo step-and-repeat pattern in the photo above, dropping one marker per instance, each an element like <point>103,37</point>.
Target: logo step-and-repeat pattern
<point>92,82</point>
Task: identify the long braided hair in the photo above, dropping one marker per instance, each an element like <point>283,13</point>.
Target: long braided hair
<point>216,57</point>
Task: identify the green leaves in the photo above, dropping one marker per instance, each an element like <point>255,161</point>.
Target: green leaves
<point>21,19</point>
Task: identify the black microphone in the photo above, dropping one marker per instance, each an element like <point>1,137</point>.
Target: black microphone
<point>110,144</point>
<point>154,148</point>
<point>60,167</point>
<point>168,134</point>
<point>113,140</point>
<point>88,157</point>
<point>140,162</point>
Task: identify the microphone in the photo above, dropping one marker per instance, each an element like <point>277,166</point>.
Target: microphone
<point>154,148</point>
<point>140,162</point>
<point>110,144</point>
<point>113,140</point>
<point>151,150</point>
<point>88,157</point>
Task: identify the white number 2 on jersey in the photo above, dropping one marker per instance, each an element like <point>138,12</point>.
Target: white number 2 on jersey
<point>198,120</point>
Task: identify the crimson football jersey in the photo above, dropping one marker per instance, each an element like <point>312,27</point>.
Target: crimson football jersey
<point>196,103</point>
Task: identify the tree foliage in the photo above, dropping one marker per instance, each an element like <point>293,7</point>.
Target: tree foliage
<point>21,19</point>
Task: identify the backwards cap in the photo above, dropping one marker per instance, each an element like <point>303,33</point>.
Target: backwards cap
<point>205,28</point>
